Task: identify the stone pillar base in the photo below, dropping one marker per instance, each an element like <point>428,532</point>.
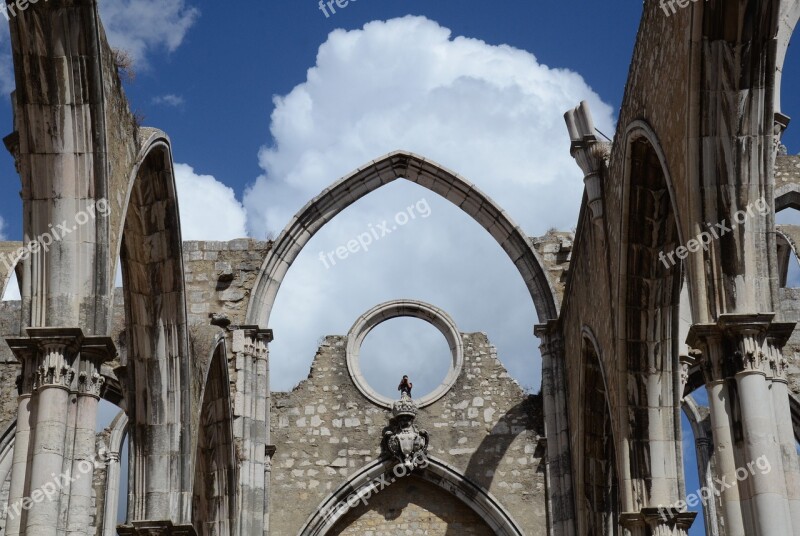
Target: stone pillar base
<point>155,528</point>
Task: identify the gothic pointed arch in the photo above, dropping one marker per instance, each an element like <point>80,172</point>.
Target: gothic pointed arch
<point>596,452</point>
<point>156,374</point>
<point>788,18</point>
<point>649,298</point>
<point>438,473</point>
<point>368,178</point>
<point>214,496</point>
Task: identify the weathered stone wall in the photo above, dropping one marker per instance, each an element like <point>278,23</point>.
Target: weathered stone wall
<point>790,307</point>
<point>485,427</point>
<point>10,314</point>
<point>555,249</point>
<point>787,171</point>
<point>656,93</point>
<point>412,507</point>
<point>220,277</point>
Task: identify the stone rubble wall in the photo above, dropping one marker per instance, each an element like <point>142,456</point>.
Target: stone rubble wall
<point>220,277</point>
<point>787,172</point>
<point>555,249</point>
<point>10,315</point>
<point>485,427</point>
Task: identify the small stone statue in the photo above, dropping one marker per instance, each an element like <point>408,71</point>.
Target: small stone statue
<point>402,439</point>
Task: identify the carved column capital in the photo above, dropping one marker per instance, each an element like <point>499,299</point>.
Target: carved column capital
<point>94,352</point>
<point>48,355</point>
<point>54,357</point>
<point>740,343</point>
<point>551,341</point>
<point>777,336</point>
<point>155,528</point>
<point>657,519</point>
<point>251,340</point>
<point>591,155</point>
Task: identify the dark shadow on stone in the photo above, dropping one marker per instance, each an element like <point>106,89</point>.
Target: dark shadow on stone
<point>527,415</point>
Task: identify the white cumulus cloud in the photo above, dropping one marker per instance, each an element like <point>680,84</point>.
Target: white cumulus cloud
<point>209,209</point>
<point>494,114</point>
<point>169,100</point>
<point>142,27</point>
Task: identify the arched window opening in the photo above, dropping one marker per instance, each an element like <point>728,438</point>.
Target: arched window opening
<point>600,488</point>
<point>12,292</point>
<point>214,489</point>
<point>654,258</point>
<point>446,259</point>
<point>405,346</point>
<point>789,106</point>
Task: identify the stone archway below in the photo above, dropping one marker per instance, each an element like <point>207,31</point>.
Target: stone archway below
<point>412,502</point>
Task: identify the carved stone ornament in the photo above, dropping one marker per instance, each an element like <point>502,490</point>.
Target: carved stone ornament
<point>402,439</point>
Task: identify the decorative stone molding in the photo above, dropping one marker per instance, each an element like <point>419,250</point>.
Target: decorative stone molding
<point>50,356</point>
<point>250,350</point>
<point>402,439</point>
<point>591,155</point>
<point>90,384</point>
<point>254,339</point>
<point>658,521</point>
<point>155,528</point>
<point>746,343</point>
<point>777,336</point>
<point>781,124</point>
<point>438,473</point>
<point>404,308</point>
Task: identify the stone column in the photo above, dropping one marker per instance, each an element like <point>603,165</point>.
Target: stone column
<point>112,494</point>
<point>26,354</point>
<point>53,482</point>
<point>708,339</point>
<point>56,354</point>
<point>94,352</point>
<point>559,462</point>
<point>770,502</point>
<point>251,422</point>
<point>746,422</point>
<point>270,453</point>
<point>703,446</point>
<point>777,336</point>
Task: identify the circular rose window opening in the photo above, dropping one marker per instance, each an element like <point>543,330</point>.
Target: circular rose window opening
<point>404,338</point>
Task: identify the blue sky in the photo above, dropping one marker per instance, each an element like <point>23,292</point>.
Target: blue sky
<point>269,102</point>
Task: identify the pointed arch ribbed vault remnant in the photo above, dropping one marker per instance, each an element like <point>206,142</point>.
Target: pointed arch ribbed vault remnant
<point>378,173</point>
